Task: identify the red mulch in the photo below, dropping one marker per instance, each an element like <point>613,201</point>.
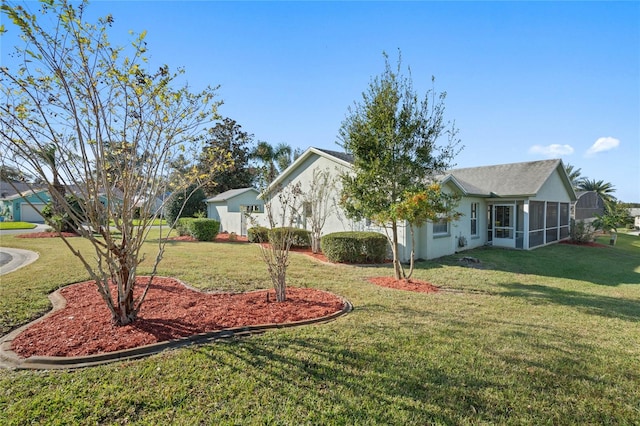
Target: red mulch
<point>590,244</point>
<point>170,311</point>
<point>410,285</point>
<point>46,235</point>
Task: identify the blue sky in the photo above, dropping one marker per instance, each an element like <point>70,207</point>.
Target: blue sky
<point>524,80</point>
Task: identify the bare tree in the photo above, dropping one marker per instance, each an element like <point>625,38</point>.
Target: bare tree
<point>318,203</point>
<point>113,127</point>
<point>281,208</point>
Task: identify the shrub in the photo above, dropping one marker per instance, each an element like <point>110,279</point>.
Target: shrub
<point>183,225</point>
<point>355,247</point>
<point>204,229</point>
<point>258,234</point>
<point>299,237</point>
<point>581,232</point>
<point>198,228</point>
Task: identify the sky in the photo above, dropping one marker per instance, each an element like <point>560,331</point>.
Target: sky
<point>525,81</point>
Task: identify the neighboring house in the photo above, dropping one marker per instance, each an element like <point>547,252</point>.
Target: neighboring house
<point>635,214</point>
<point>25,206</point>
<point>588,205</point>
<point>232,209</point>
<point>520,205</point>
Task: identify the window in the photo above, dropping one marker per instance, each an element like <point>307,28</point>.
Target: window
<point>251,209</point>
<point>474,219</point>
<point>441,227</point>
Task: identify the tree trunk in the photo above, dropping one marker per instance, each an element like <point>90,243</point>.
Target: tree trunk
<point>413,253</point>
<point>397,268</point>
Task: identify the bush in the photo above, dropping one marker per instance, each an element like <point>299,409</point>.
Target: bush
<point>299,237</point>
<point>183,225</point>
<point>258,234</point>
<point>204,229</point>
<point>581,232</point>
<point>198,228</point>
<point>355,247</point>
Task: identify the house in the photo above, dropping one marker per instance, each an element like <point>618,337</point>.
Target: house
<point>23,206</point>
<point>231,209</point>
<point>588,205</point>
<point>519,206</point>
<point>634,212</point>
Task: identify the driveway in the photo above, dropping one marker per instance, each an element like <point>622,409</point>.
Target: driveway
<point>11,258</point>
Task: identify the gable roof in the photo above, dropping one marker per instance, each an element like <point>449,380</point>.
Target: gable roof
<point>8,189</point>
<point>509,180</point>
<point>338,157</point>
<point>224,196</point>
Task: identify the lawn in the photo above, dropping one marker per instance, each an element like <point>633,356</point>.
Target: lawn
<point>16,225</point>
<point>548,336</point>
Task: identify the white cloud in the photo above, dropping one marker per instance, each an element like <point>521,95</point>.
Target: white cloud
<point>552,151</point>
<point>601,145</point>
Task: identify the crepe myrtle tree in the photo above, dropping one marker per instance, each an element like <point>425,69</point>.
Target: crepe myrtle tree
<point>282,211</point>
<point>395,139</point>
<point>318,203</point>
<point>112,126</point>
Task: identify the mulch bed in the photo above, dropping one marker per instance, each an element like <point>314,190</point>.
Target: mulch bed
<point>170,311</point>
<point>47,235</point>
<point>409,285</point>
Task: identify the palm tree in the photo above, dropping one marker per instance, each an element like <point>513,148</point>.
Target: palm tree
<point>575,175</point>
<point>604,189</point>
<point>274,159</point>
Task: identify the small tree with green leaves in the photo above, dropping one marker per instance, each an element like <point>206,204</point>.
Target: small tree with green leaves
<point>83,115</point>
<point>616,215</point>
<point>430,204</point>
<point>395,141</point>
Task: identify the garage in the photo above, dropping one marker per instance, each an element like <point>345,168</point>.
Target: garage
<point>30,214</point>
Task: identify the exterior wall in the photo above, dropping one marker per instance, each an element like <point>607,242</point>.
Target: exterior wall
<point>229,212</point>
<point>303,174</point>
<point>459,238</point>
<point>553,190</point>
<point>39,199</point>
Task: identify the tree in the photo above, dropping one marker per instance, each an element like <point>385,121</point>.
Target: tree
<point>187,202</point>
<point>393,138</point>
<point>225,138</point>
<point>604,189</point>
<point>317,203</point>
<point>13,174</point>
<point>575,175</point>
<point>106,126</point>
<point>273,159</point>
<point>430,204</point>
<point>282,207</point>
<point>616,214</point>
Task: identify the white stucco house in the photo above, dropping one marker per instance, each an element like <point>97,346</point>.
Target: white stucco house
<point>520,206</point>
<point>230,208</point>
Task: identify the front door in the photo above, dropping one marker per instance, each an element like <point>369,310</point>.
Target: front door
<point>504,220</point>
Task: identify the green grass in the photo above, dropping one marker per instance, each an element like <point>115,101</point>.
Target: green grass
<point>16,225</point>
<point>548,336</point>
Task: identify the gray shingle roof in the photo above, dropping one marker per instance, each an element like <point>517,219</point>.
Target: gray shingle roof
<point>229,194</point>
<point>339,155</point>
<point>505,179</point>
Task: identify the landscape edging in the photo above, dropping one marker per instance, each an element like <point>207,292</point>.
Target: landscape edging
<point>9,359</point>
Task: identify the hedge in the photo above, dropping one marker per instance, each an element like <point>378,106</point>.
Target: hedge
<point>300,237</point>
<point>199,228</point>
<point>354,247</point>
<point>258,234</point>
